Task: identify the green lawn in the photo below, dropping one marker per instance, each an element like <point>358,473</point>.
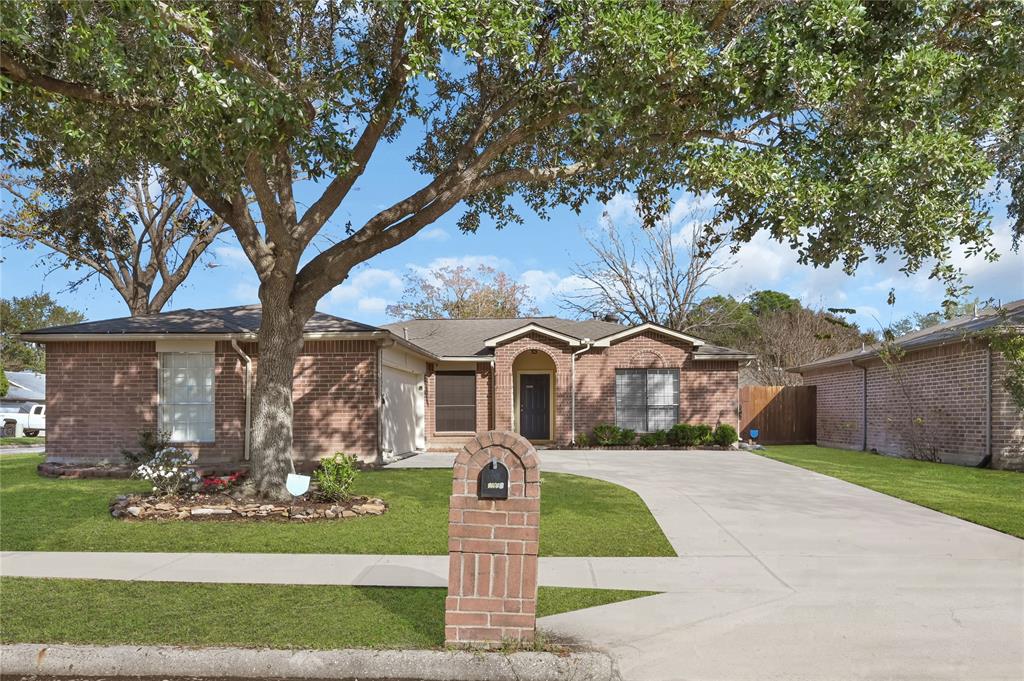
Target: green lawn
<point>991,498</point>
<point>276,616</point>
<point>579,517</point>
<point>22,441</point>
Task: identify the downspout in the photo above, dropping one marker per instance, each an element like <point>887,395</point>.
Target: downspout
<point>381,344</point>
<point>573,380</point>
<point>248,395</point>
<point>988,406</point>
<point>864,407</point>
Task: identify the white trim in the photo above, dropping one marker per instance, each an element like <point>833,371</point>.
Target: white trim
<point>723,358</point>
<point>632,331</point>
<point>470,358</point>
<point>536,328</point>
<point>186,346</point>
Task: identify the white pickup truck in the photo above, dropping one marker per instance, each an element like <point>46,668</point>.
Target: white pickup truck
<point>31,419</point>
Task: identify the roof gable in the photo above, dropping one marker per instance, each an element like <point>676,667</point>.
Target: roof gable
<point>657,328</point>
<point>530,328</point>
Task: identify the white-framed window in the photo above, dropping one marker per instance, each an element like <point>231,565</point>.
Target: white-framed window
<point>186,396</point>
<point>646,400</point>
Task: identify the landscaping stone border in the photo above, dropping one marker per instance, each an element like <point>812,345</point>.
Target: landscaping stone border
<point>49,469</point>
<point>223,507</point>
<point>427,665</point>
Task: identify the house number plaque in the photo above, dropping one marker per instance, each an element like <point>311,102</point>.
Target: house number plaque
<point>493,482</point>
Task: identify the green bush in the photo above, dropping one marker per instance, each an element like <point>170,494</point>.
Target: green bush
<point>626,436</point>
<point>606,434</point>
<point>655,439</point>
<point>334,477</point>
<point>682,435</point>
<point>702,434</point>
<point>725,435</point>
<point>582,440</point>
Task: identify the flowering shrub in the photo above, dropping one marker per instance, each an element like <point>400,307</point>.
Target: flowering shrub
<point>219,483</point>
<point>169,472</point>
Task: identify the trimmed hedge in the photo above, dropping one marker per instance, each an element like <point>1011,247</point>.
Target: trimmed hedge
<point>679,435</point>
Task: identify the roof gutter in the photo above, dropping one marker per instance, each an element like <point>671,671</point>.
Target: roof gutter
<point>240,336</point>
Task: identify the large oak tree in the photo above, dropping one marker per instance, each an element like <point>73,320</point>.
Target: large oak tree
<point>848,129</point>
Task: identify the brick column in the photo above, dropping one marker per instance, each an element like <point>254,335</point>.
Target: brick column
<point>492,545</point>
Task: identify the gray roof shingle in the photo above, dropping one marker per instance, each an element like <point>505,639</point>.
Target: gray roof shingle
<point>243,319</point>
<point>951,331</point>
<point>465,337</point>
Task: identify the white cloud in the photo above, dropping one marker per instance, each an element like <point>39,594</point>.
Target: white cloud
<point>621,207</point>
<point>757,265</point>
<point>362,284</point>
<point>434,234</point>
<point>544,285</point>
<point>232,256</point>
<point>372,305</point>
<point>470,261</point>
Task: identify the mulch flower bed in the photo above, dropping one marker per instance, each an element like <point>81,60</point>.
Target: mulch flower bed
<point>224,507</point>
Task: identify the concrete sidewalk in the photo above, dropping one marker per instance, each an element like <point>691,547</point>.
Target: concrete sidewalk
<point>644,574</point>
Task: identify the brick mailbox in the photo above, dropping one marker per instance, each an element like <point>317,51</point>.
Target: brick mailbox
<point>493,533</point>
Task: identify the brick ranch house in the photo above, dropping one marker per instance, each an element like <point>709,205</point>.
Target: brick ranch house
<point>376,392</point>
<point>943,399</point>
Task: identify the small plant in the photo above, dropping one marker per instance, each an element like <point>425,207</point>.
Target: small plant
<point>725,435</point>
<point>582,440</point>
<point>626,437</point>
<point>606,434</point>
<point>170,472</point>
<point>150,443</point>
<point>219,483</point>
<point>334,477</point>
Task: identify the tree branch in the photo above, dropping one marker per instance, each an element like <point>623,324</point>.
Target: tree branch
<point>20,73</point>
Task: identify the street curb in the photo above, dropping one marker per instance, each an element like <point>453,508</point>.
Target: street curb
<point>425,665</point>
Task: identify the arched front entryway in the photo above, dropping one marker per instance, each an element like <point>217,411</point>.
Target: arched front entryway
<point>533,398</point>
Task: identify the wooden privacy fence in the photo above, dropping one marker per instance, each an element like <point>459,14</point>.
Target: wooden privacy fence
<point>781,414</point>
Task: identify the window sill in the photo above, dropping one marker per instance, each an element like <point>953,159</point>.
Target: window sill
<point>454,433</point>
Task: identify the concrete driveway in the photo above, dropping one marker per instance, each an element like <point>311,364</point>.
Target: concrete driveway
<point>788,574</point>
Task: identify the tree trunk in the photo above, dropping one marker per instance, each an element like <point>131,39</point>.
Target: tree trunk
<point>280,342</point>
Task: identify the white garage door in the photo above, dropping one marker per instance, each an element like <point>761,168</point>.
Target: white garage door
<point>402,413</point>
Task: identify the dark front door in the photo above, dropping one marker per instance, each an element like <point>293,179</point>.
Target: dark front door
<point>535,406</point>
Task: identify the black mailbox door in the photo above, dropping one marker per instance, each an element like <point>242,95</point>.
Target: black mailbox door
<point>535,406</point>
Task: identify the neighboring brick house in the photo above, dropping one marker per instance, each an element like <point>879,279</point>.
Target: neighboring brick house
<point>374,392</point>
<point>944,399</point>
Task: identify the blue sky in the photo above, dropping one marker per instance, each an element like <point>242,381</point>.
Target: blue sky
<point>539,253</point>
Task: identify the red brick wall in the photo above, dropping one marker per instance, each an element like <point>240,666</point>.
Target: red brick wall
<point>708,390</point>
<point>101,394</point>
<point>933,406</point>
<point>840,406</point>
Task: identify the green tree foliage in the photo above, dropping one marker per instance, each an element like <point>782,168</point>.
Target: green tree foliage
<point>24,314</point>
<point>4,384</point>
<point>848,129</point>
<point>766,302</point>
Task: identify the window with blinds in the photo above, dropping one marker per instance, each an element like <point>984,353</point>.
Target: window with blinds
<point>455,401</point>
<point>646,400</point>
<point>186,396</point>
